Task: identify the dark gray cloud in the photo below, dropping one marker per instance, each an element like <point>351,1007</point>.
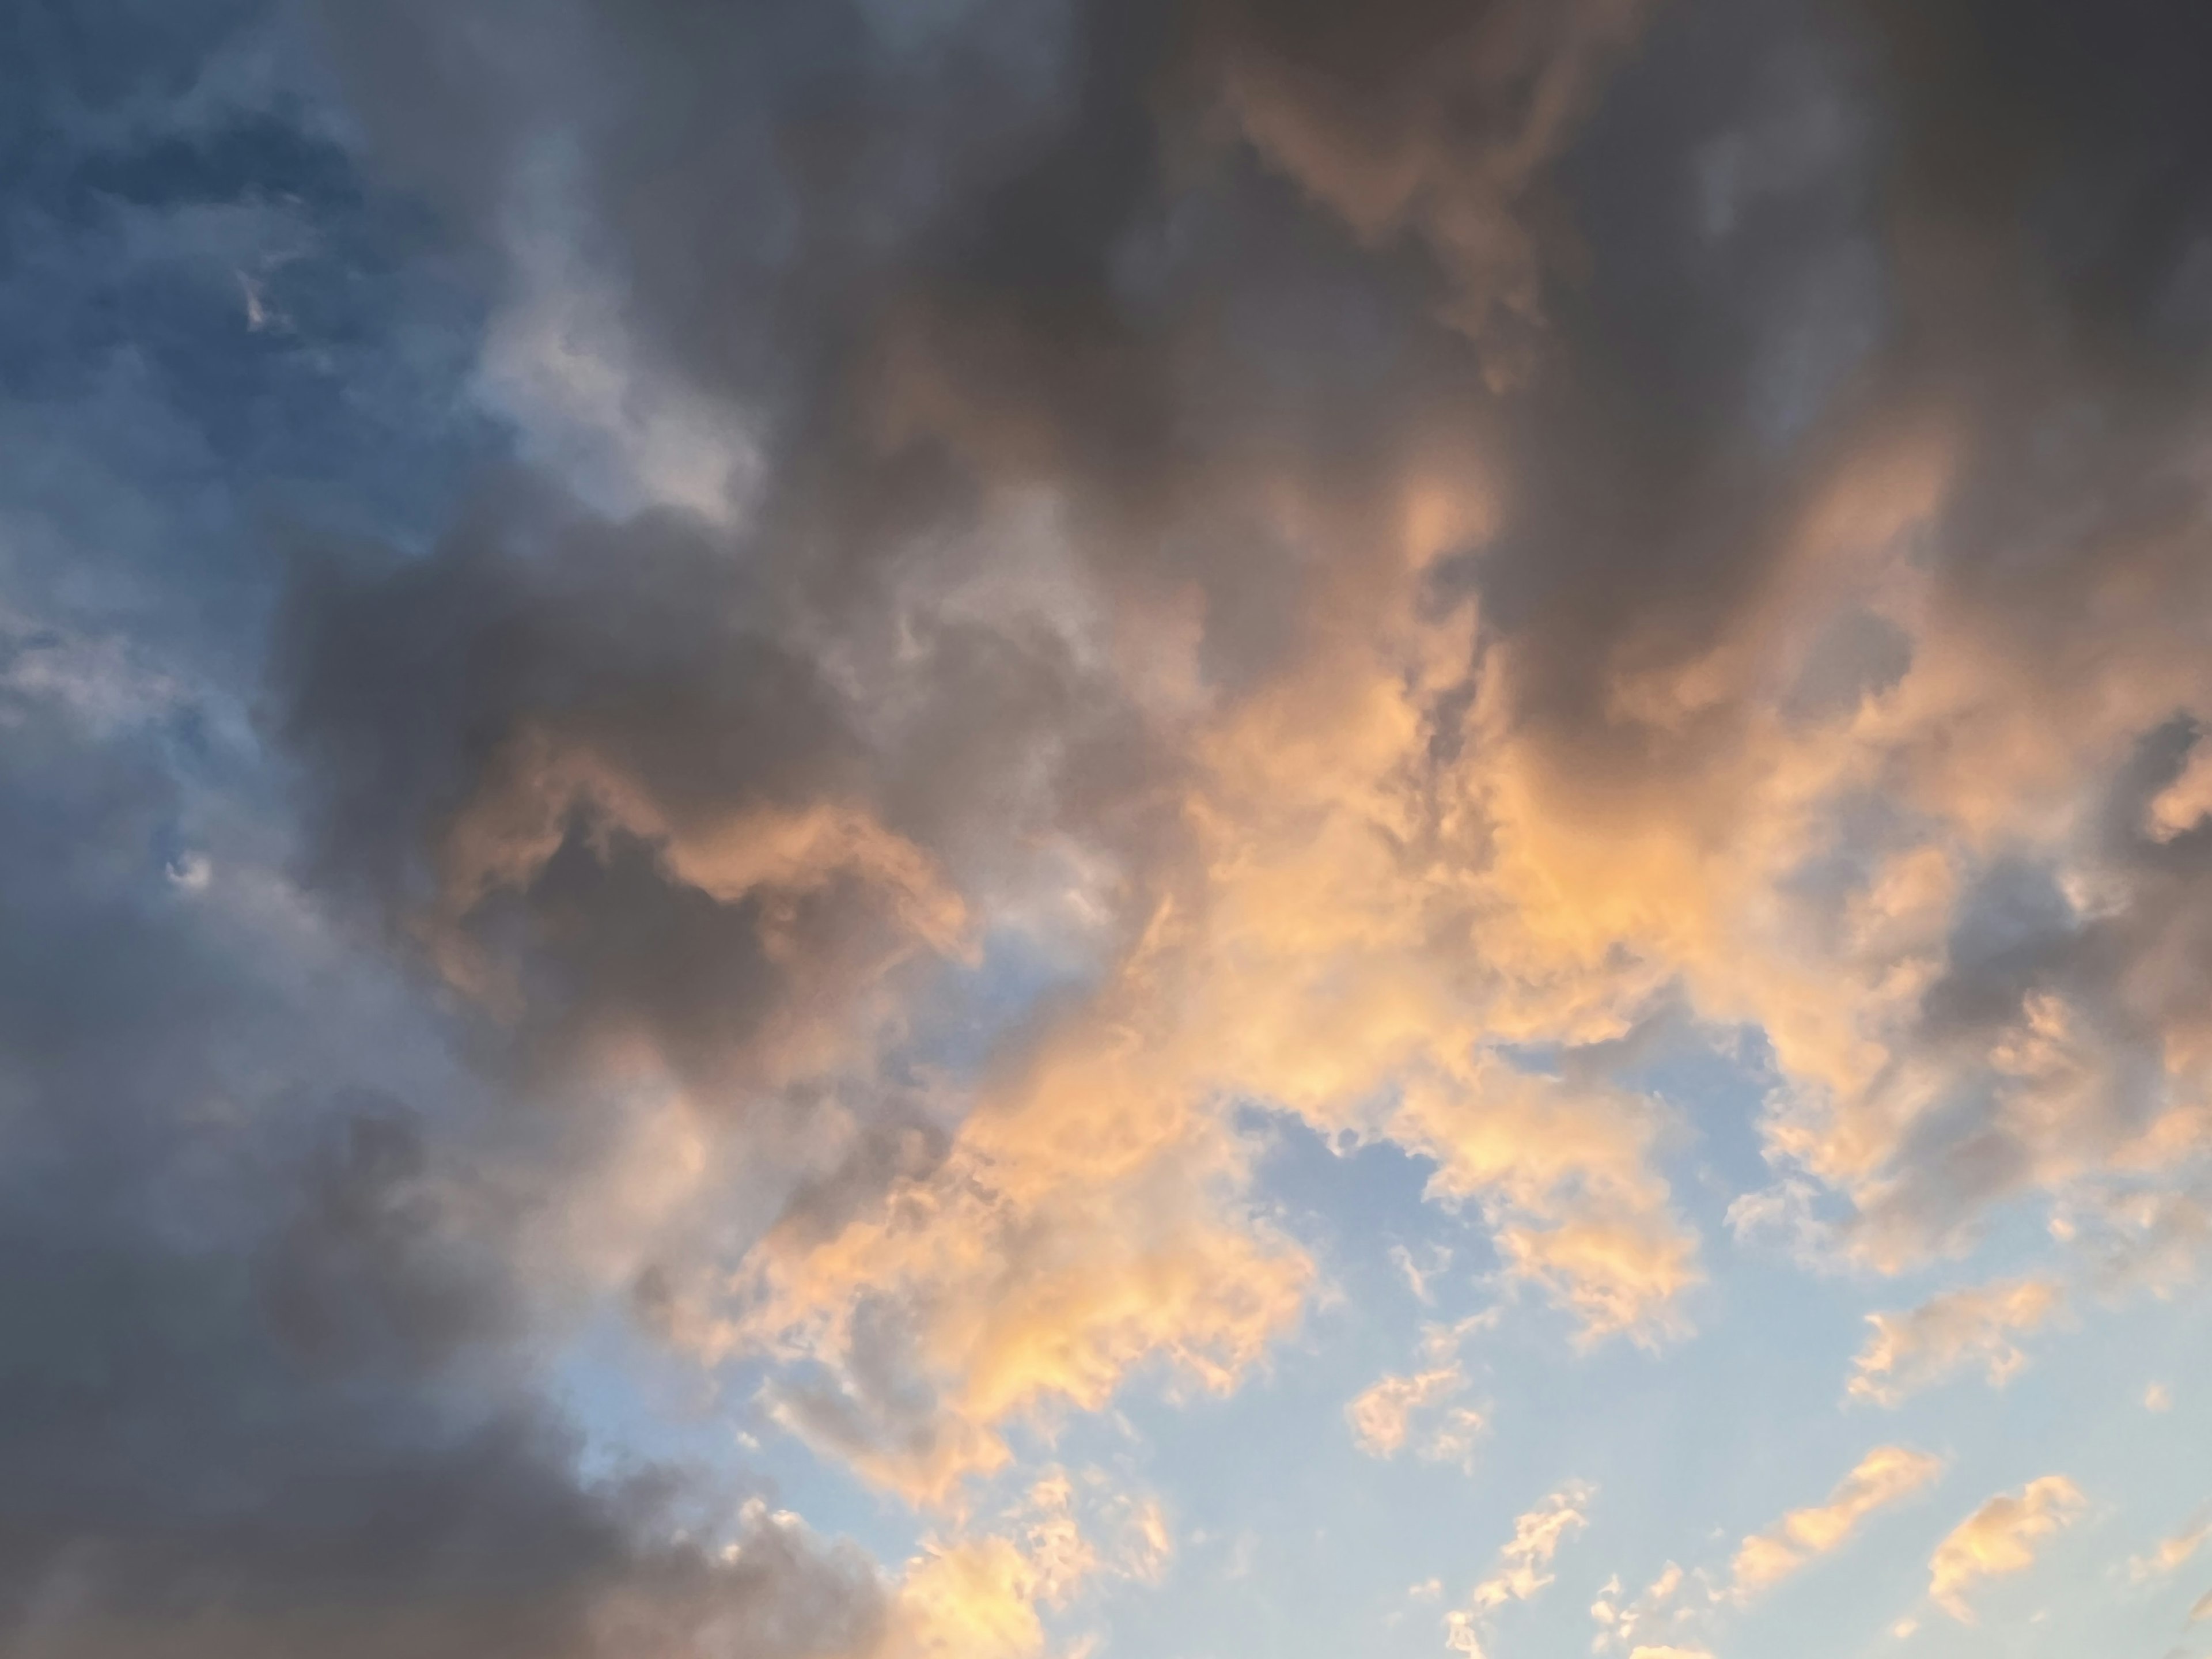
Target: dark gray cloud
<point>256,1377</point>
<point>264,1386</point>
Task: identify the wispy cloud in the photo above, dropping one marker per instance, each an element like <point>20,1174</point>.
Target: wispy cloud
<point>2171,1553</point>
<point>1885,1476</point>
<point>1524,1565</point>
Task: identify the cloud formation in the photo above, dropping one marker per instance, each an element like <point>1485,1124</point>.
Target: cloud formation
<point>1999,1539</point>
<point>1419,1404</point>
<point>1524,1564</point>
<point>1947,1333</point>
<point>1346,752</point>
<point>739,684</point>
<point>1623,1622</point>
<point>1886,1476</point>
<point>2171,1552</point>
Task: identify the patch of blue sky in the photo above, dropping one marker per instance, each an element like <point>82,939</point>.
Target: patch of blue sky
<point>1692,1447</point>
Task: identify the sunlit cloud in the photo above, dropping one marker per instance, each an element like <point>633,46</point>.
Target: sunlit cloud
<point>1885,1476</point>
<point>1524,1565</point>
<point>1672,1599</point>
<point>2171,1553</point>
<point>1102,787</point>
<point>1959,1330</point>
<point>2001,1538</point>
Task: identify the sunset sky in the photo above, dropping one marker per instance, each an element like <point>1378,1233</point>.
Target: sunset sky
<point>1105,828</point>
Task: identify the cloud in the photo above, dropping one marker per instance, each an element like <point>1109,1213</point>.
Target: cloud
<point>1613,722</point>
<point>986,1594</point>
<point>233,1396</point>
<point>756,931</point>
<point>1999,1538</point>
<point>1886,1476</point>
<point>1360,118</point>
<point>1380,1416</point>
<point>1032,1273</point>
<point>1677,1603</point>
<point>1947,1333</point>
<point>793,660</point>
<point>1418,1277</point>
<point>1385,1415</point>
<point>2171,1552</point>
<point>1623,1623</point>
<point>973,1598</point>
<point>1523,1567</point>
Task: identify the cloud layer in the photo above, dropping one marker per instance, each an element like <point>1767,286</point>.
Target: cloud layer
<point>777,688</point>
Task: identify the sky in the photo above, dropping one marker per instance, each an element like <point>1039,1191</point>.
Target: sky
<point>1105,828</point>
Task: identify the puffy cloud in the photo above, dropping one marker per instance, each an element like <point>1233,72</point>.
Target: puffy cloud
<point>975,1597</point>
<point>1999,1538</point>
<point>1886,1476</point>
<point>1034,1271</point>
<point>1607,720</point>
<point>986,1594</point>
<point>1950,1333</point>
